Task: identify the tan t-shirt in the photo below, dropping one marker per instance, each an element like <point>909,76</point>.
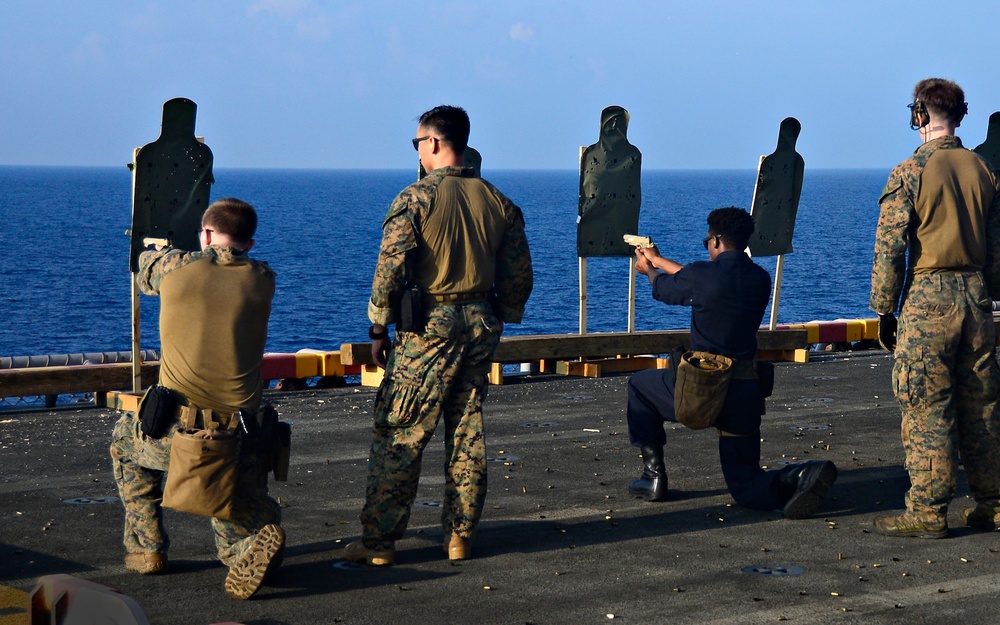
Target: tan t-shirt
<point>954,194</point>
<point>214,312</point>
<point>459,239</point>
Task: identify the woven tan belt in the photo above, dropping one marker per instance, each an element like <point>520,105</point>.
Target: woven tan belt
<point>209,419</point>
<point>457,298</point>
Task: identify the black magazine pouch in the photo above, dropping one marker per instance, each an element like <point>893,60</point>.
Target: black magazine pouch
<point>157,410</point>
<point>675,359</point>
<point>765,377</point>
<point>412,316</point>
<point>765,381</point>
<point>281,452</point>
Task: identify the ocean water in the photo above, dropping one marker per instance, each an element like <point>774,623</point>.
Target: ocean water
<point>64,279</point>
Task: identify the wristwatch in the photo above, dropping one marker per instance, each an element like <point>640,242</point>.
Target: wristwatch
<point>373,335</point>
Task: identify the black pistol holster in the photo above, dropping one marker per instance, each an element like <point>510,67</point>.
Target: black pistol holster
<point>412,313</point>
<point>273,440</point>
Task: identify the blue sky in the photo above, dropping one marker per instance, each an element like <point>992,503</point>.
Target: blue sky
<point>304,83</point>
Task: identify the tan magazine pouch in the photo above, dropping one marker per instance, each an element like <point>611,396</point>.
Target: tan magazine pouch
<point>700,389</point>
<point>202,475</point>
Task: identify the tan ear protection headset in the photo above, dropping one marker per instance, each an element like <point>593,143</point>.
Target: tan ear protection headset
<point>919,117</point>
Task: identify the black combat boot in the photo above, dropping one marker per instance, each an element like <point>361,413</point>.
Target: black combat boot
<point>652,484</point>
<point>806,485</point>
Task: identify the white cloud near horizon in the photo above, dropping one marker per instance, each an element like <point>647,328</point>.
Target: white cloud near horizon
<point>284,9</point>
<point>521,32</point>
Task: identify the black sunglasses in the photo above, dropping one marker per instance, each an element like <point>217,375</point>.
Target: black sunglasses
<point>707,239</point>
<point>416,142</point>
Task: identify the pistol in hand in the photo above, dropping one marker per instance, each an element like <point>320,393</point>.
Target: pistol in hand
<point>156,243</point>
<point>638,241</point>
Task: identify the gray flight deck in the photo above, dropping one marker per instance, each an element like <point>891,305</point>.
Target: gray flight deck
<point>560,542</point>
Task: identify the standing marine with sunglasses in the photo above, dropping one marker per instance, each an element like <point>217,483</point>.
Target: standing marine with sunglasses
<point>937,261</point>
<point>728,295</point>
<point>453,268</point>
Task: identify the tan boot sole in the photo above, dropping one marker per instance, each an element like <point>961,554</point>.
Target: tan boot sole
<point>247,575</point>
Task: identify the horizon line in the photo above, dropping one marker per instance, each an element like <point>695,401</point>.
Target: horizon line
<point>409,169</point>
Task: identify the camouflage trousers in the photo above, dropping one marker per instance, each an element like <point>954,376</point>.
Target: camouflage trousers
<point>946,381</point>
<point>140,464</point>
<point>439,374</point>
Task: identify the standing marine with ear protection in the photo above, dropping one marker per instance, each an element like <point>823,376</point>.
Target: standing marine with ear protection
<point>937,260</point>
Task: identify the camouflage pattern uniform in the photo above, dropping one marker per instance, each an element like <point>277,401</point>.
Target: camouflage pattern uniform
<point>945,376</point>
<point>440,373</point>
<point>140,462</point>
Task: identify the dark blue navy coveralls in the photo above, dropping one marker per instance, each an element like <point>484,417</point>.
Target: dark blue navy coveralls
<point>727,297</point>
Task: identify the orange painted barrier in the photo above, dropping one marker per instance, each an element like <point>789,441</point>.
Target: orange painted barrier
<point>839,331</point>
<point>303,364</point>
<point>306,363</point>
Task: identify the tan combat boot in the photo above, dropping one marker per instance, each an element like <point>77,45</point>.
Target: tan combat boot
<point>908,525</point>
<point>146,563</point>
<point>357,552</point>
<point>457,548</point>
<point>982,517</point>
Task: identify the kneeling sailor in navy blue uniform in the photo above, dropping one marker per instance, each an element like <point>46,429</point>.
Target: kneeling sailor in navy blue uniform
<point>728,295</point>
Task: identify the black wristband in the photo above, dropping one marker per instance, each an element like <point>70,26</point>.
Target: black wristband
<point>373,335</point>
